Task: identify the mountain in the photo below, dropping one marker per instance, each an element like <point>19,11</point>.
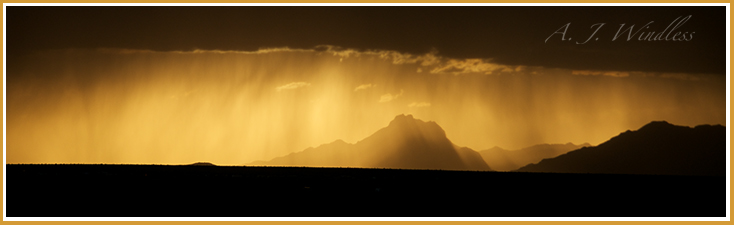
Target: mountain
<point>656,148</point>
<point>202,164</point>
<point>406,143</point>
<point>506,160</point>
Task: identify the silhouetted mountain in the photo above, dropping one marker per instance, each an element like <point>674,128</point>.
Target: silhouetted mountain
<point>656,148</point>
<point>505,160</point>
<point>203,164</point>
<point>337,154</point>
<point>405,143</point>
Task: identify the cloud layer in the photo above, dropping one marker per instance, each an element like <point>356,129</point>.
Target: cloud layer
<point>389,97</point>
<point>293,85</point>
<point>362,87</point>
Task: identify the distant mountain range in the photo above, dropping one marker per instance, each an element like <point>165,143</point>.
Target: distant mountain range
<point>656,148</point>
<point>506,160</point>
<point>406,143</point>
<point>409,143</point>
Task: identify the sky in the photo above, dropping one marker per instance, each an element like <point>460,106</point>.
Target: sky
<point>231,85</point>
<point>509,35</point>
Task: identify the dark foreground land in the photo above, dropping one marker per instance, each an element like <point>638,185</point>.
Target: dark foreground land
<point>200,191</point>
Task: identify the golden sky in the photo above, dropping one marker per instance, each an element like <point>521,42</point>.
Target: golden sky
<point>233,107</point>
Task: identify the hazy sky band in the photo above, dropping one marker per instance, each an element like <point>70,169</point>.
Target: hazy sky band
<point>229,107</point>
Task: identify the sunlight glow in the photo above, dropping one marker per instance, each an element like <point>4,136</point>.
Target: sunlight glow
<point>230,107</point>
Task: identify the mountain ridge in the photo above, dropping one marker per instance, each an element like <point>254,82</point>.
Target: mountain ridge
<point>507,160</point>
<point>406,143</point>
<point>656,148</point>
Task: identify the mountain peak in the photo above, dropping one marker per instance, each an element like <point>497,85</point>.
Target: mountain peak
<point>402,119</point>
<point>333,144</point>
<point>654,125</point>
<point>411,126</point>
<point>202,164</point>
<point>405,143</point>
<point>496,148</point>
<point>339,141</point>
<point>401,116</point>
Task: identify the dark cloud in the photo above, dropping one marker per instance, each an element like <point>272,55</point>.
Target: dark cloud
<point>508,35</point>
